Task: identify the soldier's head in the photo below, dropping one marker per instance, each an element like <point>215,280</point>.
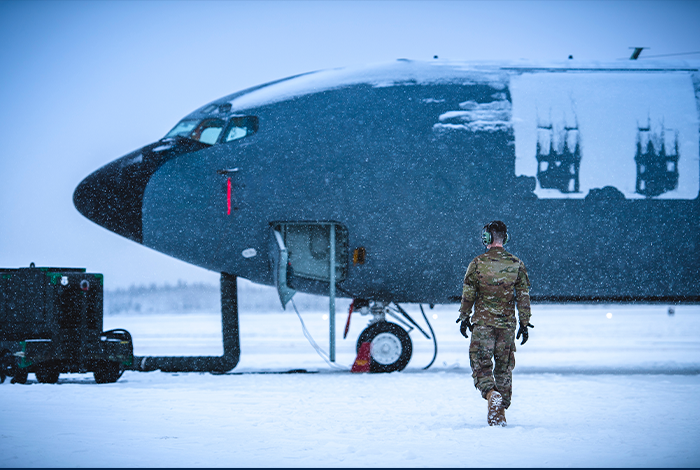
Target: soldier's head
<point>494,233</point>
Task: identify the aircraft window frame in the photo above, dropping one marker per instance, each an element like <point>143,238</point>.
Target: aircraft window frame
<point>195,129</point>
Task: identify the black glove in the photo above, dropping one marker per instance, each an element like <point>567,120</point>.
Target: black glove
<point>463,327</point>
<point>523,331</point>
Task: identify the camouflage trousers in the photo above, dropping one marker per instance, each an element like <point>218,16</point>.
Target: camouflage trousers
<point>499,344</point>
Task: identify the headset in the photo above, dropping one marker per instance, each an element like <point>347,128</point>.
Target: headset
<point>487,238</point>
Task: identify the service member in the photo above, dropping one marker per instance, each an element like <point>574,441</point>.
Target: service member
<point>495,281</point>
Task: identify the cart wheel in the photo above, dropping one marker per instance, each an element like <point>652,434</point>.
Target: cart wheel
<point>6,361</point>
<point>107,372</point>
<point>390,348</point>
<point>47,375</point>
<point>20,377</point>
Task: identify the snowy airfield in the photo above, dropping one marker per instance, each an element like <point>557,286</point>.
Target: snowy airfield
<point>595,386</point>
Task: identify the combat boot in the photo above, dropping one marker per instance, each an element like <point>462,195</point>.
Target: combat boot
<point>495,403</point>
<point>501,417</point>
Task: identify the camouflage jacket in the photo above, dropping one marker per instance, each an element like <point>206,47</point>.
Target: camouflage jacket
<point>493,283</point>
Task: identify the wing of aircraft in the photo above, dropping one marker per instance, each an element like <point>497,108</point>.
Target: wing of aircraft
<point>377,180</point>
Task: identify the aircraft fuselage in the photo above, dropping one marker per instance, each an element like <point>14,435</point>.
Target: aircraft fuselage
<point>594,170</point>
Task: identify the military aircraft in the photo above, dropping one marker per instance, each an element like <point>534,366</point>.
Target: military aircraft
<point>375,182</point>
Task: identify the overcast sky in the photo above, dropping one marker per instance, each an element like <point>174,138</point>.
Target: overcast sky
<point>85,82</point>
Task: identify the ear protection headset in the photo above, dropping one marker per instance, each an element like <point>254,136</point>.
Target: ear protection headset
<point>487,237</point>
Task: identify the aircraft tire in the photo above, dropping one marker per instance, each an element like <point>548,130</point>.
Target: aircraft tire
<point>7,361</point>
<point>391,347</point>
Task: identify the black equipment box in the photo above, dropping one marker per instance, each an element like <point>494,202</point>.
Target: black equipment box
<point>51,322</point>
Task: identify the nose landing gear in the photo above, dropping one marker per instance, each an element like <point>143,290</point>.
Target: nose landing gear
<point>390,345</point>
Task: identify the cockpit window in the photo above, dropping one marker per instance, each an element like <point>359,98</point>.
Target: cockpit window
<point>183,128</point>
<point>235,133</point>
<point>206,131</point>
<point>209,131</point>
<point>239,127</point>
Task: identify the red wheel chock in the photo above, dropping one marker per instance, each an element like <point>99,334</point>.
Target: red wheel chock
<point>363,359</point>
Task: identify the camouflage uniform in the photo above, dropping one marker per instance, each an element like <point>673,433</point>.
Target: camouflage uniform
<point>493,283</point>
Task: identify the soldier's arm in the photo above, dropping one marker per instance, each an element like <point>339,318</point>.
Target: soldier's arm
<point>468,292</point>
<point>522,295</point>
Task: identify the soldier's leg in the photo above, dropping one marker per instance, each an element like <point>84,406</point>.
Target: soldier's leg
<point>480,354</point>
<point>504,357</point>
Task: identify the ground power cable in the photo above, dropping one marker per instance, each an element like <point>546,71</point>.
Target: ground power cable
<point>313,343</point>
<point>433,335</point>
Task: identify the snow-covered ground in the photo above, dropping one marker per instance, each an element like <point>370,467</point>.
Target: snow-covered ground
<point>590,389</point>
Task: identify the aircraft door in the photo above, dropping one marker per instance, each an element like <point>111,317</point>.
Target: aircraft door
<point>280,263</point>
<point>303,251</point>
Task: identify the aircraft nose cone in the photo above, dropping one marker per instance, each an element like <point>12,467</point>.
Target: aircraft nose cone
<point>113,196</point>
